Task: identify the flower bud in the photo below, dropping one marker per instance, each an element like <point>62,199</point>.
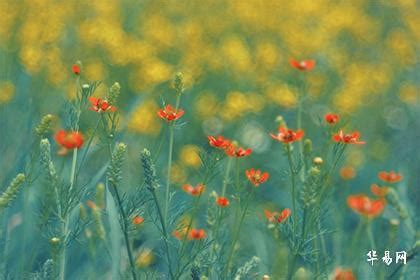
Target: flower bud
<point>100,195</point>
<point>55,241</point>
<point>179,83</point>
<point>318,161</point>
<point>307,146</point>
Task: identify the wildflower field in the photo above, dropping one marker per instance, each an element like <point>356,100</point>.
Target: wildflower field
<point>241,139</point>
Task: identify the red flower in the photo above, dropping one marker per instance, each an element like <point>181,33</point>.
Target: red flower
<point>76,69</point>
<point>287,135</point>
<point>196,234</point>
<point>390,177</point>
<point>303,65</point>
<point>241,152</point>
<point>284,215</point>
<point>256,177</point>
<point>351,138</point>
<point>273,217</point>
<point>222,201</point>
<point>232,150</point>
<point>343,274</point>
<point>379,191</point>
<point>100,105</point>
<point>69,139</point>
<point>365,206</point>
<point>194,191</point>
<point>219,142</point>
<point>332,118</point>
<point>137,220</point>
<point>170,114</point>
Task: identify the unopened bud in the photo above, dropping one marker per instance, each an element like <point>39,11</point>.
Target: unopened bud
<point>100,195</point>
<point>307,146</point>
<point>55,241</point>
<point>318,161</point>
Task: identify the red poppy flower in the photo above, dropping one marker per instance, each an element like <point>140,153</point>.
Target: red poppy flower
<point>351,138</point>
<point>343,274</point>
<point>170,114</point>
<point>222,201</point>
<point>69,139</point>
<point>390,177</point>
<point>274,217</point>
<point>76,69</point>
<point>303,65</point>
<point>100,105</point>
<point>365,206</point>
<point>196,234</point>
<point>332,118</point>
<point>379,191</point>
<point>137,220</point>
<point>284,215</point>
<point>232,150</point>
<point>194,191</point>
<point>271,216</point>
<point>256,177</point>
<point>219,142</point>
<point>287,135</point>
<point>241,152</point>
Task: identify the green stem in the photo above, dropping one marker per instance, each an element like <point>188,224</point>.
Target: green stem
<point>125,232</point>
<point>86,150</point>
<point>370,234</point>
<point>220,210</point>
<point>168,179</point>
<point>299,126</point>
<point>293,181</point>
<point>291,267</point>
<point>184,239</point>
<point>226,178</point>
<point>355,238</point>
<point>65,220</point>
<point>237,233</point>
<point>165,233</point>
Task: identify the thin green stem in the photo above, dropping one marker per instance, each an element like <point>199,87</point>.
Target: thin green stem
<point>65,220</point>
<point>86,150</point>
<point>299,126</point>
<point>237,233</point>
<point>184,239</point>
<point>291,267</point>
<point>293,181</point>
<point>165,233</point>
<point>124,227</point>
<point>226,178</point>
<point>169,166</point>
<point>355,238</point>
<point>370,234</point>
<point>220,210</point>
